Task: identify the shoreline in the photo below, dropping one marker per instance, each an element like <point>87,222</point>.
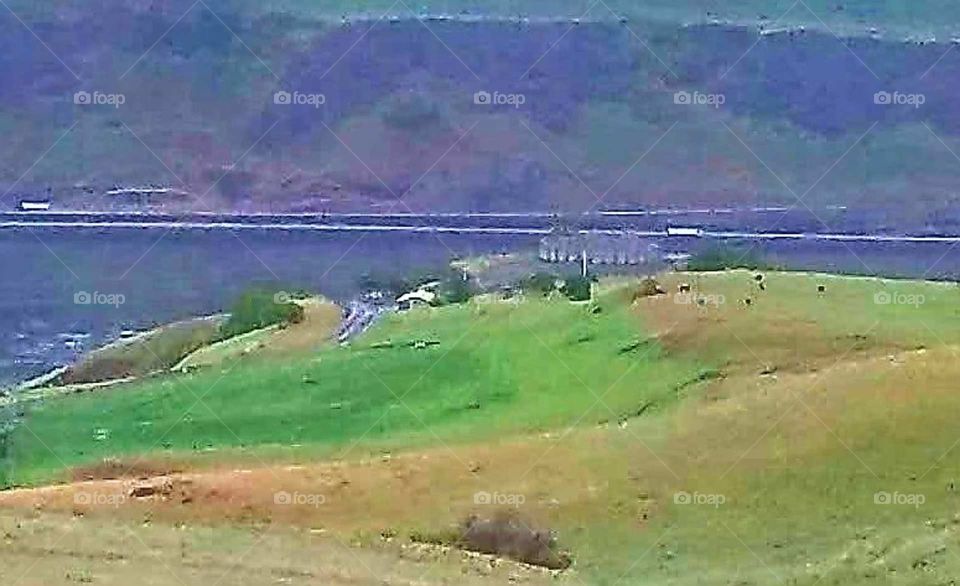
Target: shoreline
<point>41,381</point>
<point>493,230</point>
<point>356,318</point>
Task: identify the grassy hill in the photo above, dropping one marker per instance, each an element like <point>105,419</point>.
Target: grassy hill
<point>383,388</point>
<point>802,438</point>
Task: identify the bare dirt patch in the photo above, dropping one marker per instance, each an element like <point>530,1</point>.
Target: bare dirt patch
<point>551,477</point>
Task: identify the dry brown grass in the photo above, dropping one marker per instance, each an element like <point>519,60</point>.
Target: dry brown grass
<point>766,335</point>
<point>46,549</point>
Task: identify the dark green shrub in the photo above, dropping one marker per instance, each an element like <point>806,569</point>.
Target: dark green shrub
<point>260,308</point>
<point>8,419</point>
<point>396,283</point>
<point>578,288</point>
<point>507,535</point>
<point>724,256</point>
<point>540,283</point>
<point>648,287</point>
<point>455,289</point>
<point>414,113</point>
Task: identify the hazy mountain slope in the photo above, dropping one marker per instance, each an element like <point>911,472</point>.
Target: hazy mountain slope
<point>198,83</point>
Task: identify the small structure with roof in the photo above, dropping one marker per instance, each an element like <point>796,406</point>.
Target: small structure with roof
<point>425,294</point>
<point>35,205</point>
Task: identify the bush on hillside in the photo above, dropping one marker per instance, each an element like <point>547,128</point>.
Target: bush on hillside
<point>539,283</point>
<point>260,308</point>
<point>6,427</point>
<point>507,535</point>
<point>414,113</point>
<point>724,256</point>
<point>157,350</point>
<point>452,287</point>
<point>648,287</point>
<point>455,289</point>
<point>396,283</point>
<point>578,288</point>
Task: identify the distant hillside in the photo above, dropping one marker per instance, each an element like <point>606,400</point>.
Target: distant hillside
<point>591,109</point>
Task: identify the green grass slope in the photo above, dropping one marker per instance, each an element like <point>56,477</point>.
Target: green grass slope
<point>485,369</point>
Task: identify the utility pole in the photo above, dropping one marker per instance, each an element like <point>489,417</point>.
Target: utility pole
<point>583,263</point>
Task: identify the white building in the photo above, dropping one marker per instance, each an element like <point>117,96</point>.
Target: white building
<point>35,206</point>
<point>688,232</point>
<point>418,297</point>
